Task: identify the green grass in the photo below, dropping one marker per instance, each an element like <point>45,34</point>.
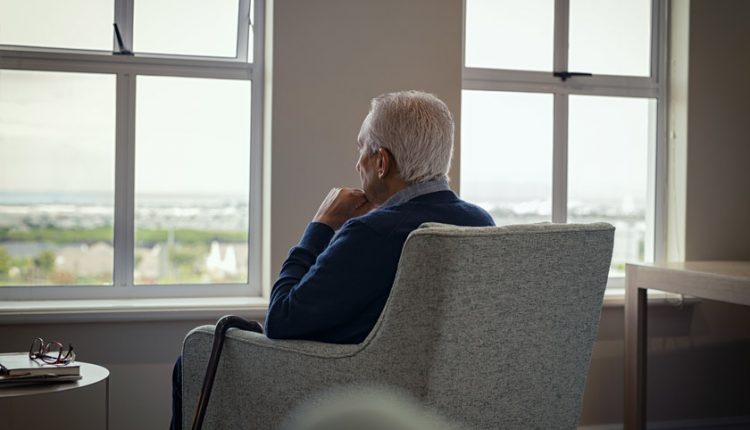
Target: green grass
<point>145,237</point>
<point>57,235</point>
<point>189,236</point>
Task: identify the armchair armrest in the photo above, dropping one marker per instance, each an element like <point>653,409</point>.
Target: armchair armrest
<point>259,379</point>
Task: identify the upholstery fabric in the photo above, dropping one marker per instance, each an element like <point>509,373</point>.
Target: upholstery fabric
<point>492,327</point>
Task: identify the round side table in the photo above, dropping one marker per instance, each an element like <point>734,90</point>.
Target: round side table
<point>91,374</point>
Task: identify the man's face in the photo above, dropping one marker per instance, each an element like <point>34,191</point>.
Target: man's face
<point>367,169</point>
<point>368,165</point>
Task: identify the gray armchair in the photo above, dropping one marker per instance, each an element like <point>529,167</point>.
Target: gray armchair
<point>492,327</point>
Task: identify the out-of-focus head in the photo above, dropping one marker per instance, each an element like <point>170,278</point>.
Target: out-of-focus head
<point>365,408</point>
<point>416,128</point>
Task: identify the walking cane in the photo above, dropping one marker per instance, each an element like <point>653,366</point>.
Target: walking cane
<point>224,324</point>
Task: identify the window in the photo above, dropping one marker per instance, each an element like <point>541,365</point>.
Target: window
<point>540,145</point>
<point>131,153</point>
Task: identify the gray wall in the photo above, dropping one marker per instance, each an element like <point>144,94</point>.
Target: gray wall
<point>330,58</point>
<point>718,151</point>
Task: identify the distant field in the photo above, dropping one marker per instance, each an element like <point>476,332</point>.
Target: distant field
<point>145,237</point>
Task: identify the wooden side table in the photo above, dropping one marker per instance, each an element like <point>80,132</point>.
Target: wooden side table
<point>91,374</point>
<point>724,281</point>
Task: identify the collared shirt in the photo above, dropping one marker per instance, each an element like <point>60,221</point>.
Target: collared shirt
<point>416,190</point>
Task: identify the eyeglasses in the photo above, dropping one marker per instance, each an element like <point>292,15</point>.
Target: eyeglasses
<point>51,352</point>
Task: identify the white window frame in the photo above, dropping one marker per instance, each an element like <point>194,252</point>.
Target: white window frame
<point>126,68</point>
<point>653,87</point>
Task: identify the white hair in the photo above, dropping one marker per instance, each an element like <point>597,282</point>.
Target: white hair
<point>416,128</point>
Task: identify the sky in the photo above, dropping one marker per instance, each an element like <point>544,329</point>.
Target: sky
<point>192,135</point>
<point>506,140</point>
<point>57,130</point>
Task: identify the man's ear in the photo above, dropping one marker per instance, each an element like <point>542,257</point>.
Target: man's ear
<point>385,163</point>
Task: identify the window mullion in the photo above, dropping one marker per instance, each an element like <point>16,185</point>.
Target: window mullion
<point>124,20</point>
<point>658,11</point>
<point>659,62</point>
<point>560,159</point>
<point>536,82</point>
<point>562,23</point>
<point>243,30</point>
<point>124,181</point>
<point>258,241</point>
<point>560,117</point>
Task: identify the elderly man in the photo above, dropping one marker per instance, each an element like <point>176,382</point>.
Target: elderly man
<point>335,282</point>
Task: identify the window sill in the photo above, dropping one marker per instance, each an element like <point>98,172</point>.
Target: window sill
<point>126,310</point>
<point>122,310</point>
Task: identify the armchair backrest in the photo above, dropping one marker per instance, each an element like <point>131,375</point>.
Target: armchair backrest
<point>494,326</point>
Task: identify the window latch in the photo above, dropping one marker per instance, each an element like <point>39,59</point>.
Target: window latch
<point>123,50</point>
<point>564,76</point>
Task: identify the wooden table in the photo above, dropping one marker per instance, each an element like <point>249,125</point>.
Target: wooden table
<point>725,281</point>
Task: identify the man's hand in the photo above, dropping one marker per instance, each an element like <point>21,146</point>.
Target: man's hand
<point>342,204</point>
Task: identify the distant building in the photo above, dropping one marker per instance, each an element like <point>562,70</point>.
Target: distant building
<point>222,259</point>
<point>84,260</point>
<point>149,264</point>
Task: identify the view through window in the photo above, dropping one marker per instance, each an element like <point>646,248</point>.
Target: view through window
<point>191,180</point>
<point>127,169</point>
<point>57,134</point>
<point>536,147</point>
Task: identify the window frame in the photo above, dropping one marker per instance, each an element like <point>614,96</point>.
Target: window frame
<point>653,86</point>
<point>127,68</point>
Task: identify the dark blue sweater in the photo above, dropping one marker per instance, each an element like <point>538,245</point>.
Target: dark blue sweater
<point>334,290</point>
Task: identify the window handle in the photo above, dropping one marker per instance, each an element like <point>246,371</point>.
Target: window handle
<point>564,76</point>
<point>123,50</point>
